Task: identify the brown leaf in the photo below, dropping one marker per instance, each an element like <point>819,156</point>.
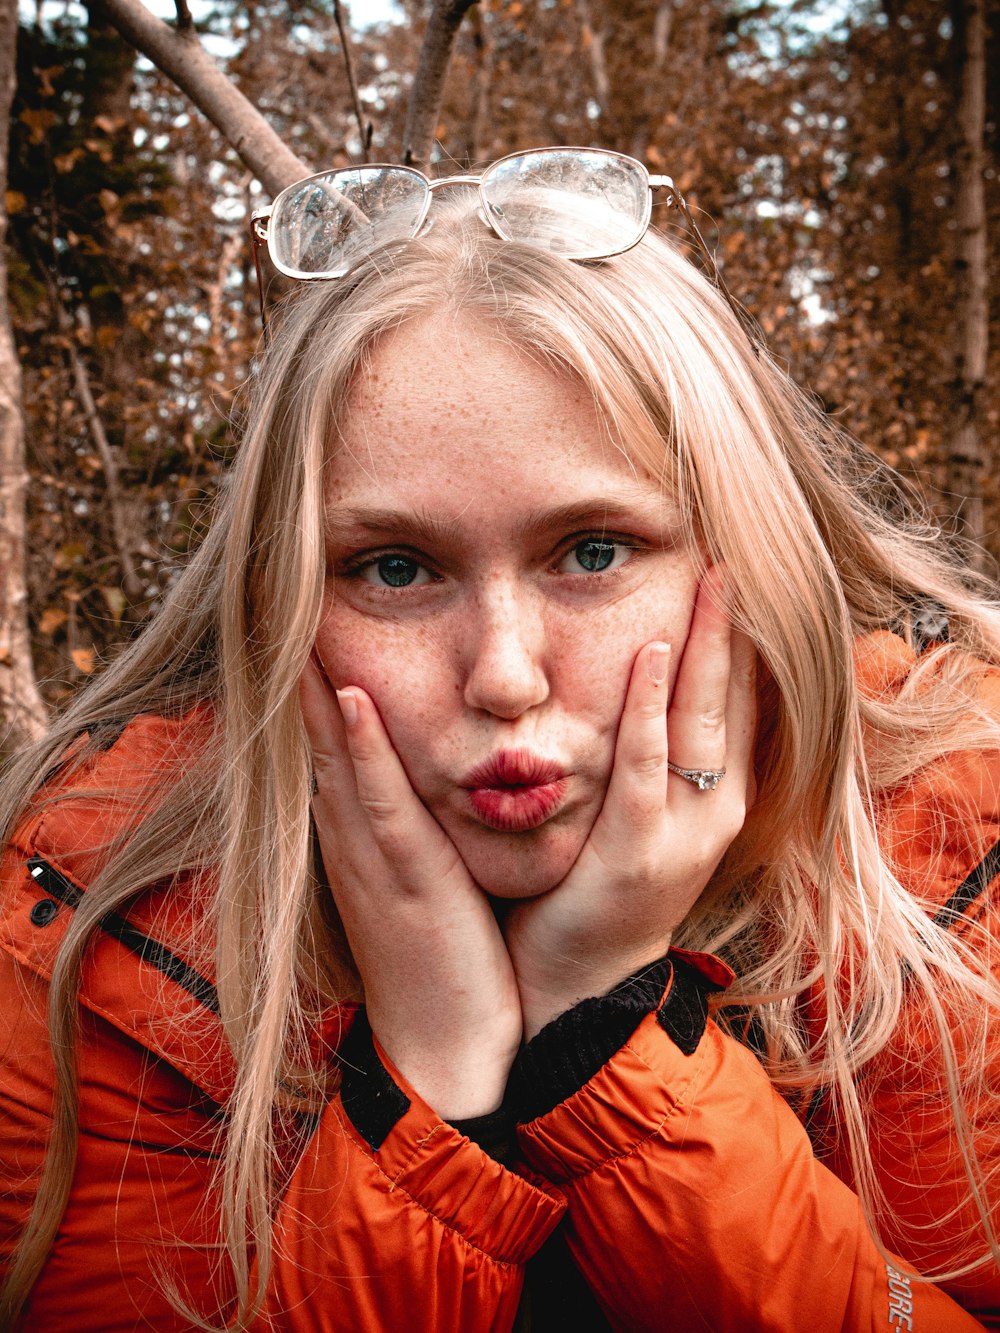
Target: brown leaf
<point>15,201</point>
<point>38,121</point>
<point>52,617</point>
<point>83,660</point>
<point>67,161</point>
<point>46,76</point>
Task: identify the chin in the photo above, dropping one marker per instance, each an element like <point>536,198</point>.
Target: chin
<point>519,865</point>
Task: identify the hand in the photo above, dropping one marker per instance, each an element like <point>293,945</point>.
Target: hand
<point>439,987</point>
<point>658,838</point>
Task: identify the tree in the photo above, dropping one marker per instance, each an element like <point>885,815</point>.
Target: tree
<point>967,458</point>
<point>20,701</point>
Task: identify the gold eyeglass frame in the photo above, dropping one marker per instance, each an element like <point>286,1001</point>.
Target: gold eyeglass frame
<point>672,198</point>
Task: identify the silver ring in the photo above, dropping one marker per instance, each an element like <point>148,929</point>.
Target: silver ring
<point>705,779</point>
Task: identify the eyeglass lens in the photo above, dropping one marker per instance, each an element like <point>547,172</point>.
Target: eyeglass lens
<point>578,204</point>
<point>326,224</point>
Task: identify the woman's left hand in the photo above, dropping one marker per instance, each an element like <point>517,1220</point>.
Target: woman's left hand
<point>658,837</point>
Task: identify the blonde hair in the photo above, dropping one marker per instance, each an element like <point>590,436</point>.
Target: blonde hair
<point>803,905</point>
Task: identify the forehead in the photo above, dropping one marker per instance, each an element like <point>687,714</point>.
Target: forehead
<point>457,361</point>
<point>454,434</point>
<point>449,392</point>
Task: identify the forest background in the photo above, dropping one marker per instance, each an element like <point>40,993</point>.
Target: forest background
<point>841,159</point>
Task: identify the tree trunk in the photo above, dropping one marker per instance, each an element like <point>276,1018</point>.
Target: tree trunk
<point>428,85</point>
<point>482,40</point>
<point>23,712</point>
<point>967,456</point>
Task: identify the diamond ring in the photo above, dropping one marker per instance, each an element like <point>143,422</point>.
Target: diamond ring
<point>705,779</point>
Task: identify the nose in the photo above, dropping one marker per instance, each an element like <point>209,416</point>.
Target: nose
<point>504,669</point>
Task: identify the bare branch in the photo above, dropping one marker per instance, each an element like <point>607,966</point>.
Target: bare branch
<point>112,488</point>
<point>131,581</point>
<point>593,41</point>
<point>181,56</point>
<point>428,85</point>
<point>184,19</point>
<point>662,26</point>
<point>345,46</point>
<point>652,94</point>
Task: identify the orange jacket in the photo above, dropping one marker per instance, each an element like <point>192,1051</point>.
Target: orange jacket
<point>687,1190</point>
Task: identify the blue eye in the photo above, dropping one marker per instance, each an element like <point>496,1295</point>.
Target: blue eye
<point>391,571</point>
<point>598,555</point>
<point>594,556</point>
<point>394,571</point>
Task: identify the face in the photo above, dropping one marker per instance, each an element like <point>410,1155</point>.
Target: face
<point>494,565</point>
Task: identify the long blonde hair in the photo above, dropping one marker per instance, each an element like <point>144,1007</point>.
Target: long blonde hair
<point>818,551</point>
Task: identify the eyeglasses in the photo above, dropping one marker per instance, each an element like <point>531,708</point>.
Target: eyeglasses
<point>579,203</point>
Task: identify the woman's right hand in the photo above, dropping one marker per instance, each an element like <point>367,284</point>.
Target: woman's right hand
<point>439,987</point>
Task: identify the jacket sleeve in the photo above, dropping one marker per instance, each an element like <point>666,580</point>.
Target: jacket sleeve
<point>391,1219</point>
<point>695,1201</point>
<point>395,1220</point>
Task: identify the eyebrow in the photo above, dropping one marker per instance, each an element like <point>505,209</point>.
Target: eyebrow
<point>420,526</point>
<point>625,505</point>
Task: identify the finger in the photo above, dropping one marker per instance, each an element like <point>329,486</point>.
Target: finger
<point>696,718</point>
<point>405,832</point>
<point>382,786</point>
<point>345,840</point>
<point>323,721</point>
<point>320,714</point>
<point>638,784</point>
<point>741,713</point>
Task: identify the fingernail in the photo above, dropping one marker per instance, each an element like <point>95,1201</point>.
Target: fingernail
<point>348,707</point>
<point>659,661</point>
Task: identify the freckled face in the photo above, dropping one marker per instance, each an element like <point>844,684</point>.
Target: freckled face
<point>494,567</point>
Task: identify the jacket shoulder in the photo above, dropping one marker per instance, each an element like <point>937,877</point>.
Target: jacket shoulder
<point>939,825</point>
<point>106,783</point>
<point>147,967</point>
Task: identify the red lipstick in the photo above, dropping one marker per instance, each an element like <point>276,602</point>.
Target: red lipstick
<point>515,790</point>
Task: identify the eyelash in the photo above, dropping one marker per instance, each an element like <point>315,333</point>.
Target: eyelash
<point>357,568</point>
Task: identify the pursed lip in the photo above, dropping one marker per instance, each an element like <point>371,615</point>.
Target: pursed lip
<point>515,790</point>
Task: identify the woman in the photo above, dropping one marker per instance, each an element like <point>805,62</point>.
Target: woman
<point>543,636</point>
